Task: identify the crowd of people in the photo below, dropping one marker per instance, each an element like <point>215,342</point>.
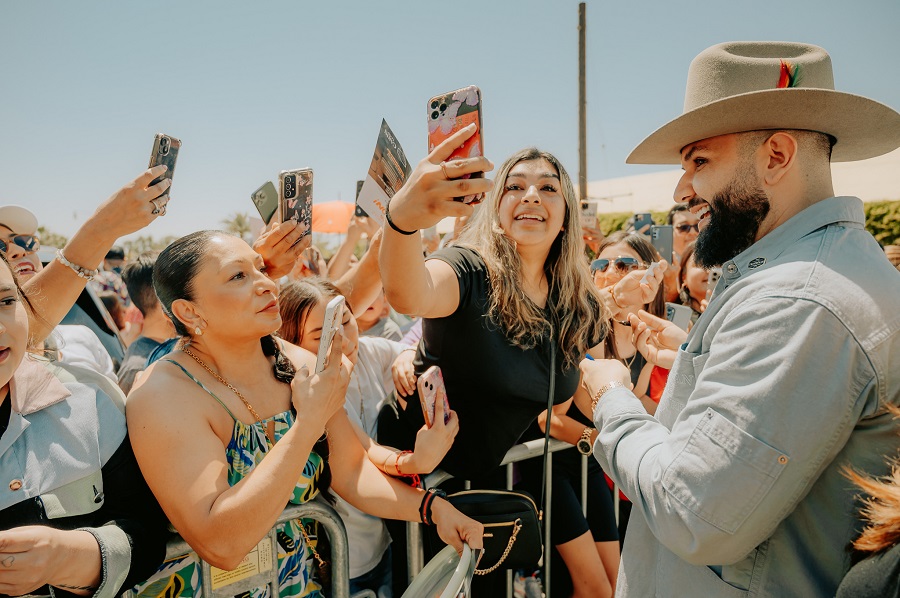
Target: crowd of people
<point>725,455</point>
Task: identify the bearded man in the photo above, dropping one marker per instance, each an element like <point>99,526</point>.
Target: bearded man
<point>738,483</point>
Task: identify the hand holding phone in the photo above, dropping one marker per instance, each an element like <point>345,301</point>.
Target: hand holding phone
<point>333,314</point>
<point>642,223</point>
<point>431,389</point>
<point>451,112</point>
<point>295,197</point>
<point>165,151</point>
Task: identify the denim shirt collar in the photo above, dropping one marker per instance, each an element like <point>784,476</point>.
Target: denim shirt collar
<point>34,388</point>
<point>767,249</point>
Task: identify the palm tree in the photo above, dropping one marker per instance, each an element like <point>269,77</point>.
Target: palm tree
<point>238,224</point>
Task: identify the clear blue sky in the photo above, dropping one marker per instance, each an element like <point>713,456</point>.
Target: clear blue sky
<point>256,87</point>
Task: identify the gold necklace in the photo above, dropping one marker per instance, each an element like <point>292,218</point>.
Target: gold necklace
<point>270,433</point>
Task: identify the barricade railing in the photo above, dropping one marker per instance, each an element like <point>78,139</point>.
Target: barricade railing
<point>415,551</point>
<point>218,584</point>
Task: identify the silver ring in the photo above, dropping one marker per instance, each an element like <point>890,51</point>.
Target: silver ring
<point>162,211</point>
<point>156,209</point>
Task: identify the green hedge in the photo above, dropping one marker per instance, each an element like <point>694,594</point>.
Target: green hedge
<point>882,220</point>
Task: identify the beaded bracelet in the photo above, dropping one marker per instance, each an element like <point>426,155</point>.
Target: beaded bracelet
<point>81,271</point>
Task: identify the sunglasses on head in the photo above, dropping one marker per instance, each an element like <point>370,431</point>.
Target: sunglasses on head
<point>624,265</point>
<point>686,228</point>
<point>27,242</point>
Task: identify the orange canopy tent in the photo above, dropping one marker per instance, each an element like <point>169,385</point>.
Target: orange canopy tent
<point>332,216</point>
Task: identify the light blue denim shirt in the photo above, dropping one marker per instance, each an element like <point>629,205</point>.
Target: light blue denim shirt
<point>737,482</point>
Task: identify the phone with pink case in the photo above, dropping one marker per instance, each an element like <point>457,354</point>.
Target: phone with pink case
<point>431,389</point>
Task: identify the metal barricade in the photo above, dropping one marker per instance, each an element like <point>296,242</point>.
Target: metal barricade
<point>415,552</point>
<point>317,509</point>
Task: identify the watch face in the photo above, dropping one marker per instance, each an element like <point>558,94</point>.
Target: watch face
<point>584,447</point>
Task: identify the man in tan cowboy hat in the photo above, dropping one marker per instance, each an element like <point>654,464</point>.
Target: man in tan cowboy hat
<point>738,483</point>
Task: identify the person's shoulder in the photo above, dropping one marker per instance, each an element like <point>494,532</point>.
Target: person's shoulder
<point>298,355</point>
<point>459,255</point>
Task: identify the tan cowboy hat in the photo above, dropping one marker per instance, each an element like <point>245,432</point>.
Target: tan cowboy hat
<point>754,86</point>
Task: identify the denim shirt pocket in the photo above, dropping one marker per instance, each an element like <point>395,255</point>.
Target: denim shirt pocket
<point>723,473</point>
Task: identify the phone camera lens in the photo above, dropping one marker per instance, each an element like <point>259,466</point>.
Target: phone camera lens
<point>443,107</point>
<point>434,115</point>
<point>434,104</point>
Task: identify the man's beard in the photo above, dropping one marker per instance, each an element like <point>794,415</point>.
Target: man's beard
<point>735,214</point>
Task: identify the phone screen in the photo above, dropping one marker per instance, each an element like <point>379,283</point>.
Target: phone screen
<point>642,223</point>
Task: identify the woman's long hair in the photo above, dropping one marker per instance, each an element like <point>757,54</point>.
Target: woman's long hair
<point>882,507</point>
<point>296,298</point>
<point>580,319</point>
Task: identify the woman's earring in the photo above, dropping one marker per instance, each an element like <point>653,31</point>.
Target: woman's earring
<point>197,331</point>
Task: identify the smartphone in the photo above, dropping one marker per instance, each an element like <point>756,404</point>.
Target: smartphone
<point>714,275</point>
<point>334,311</point>
<point>661,238</point>
<point>431,389</point>
<point>165,151</point>
<point>450,112</point>
<point>359,212</point>
<point>642,221</point>
<point>680,315</point>
<point>295,196</point>
<point>266,201</point>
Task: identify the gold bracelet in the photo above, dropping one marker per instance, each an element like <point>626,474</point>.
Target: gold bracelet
<point>612,295</point>
<point>603,390</point>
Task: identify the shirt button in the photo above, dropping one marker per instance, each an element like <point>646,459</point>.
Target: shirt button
<point>731,268</point>
<point>15,485</point>
<point>782,459</point>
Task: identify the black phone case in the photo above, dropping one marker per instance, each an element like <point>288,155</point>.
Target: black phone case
<point>165,151</point>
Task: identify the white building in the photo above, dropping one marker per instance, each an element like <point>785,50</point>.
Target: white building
<point>870,180</point>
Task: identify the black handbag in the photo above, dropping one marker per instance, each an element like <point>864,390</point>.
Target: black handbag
<point>513,534</point>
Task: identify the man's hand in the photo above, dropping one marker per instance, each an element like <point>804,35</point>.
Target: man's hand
<point>657,339</point>
<point>32,556</point>
<point>279,247</point>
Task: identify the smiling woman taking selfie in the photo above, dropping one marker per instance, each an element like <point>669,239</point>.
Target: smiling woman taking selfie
<point>231,427</point>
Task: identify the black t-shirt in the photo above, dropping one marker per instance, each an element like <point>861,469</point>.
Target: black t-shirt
<point>496,388</point>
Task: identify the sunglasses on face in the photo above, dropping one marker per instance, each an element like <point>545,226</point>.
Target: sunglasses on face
<point>623,265</point>
<point>686,228</point>
<point>27,242</point>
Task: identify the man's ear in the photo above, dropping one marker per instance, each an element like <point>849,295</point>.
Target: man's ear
<point>780,157</point>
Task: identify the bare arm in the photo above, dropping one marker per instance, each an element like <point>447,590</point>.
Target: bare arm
<point>340,261</point>
<point>56,287</point>
<point>413,286</point>
<point>360,483</point>
<point>221,522</point>
<point>564,427</point>
<point>362,283</point>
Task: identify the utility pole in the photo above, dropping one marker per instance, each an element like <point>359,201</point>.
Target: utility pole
<point>582,106</point>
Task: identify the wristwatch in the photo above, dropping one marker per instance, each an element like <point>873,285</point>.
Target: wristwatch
<point>584,445</point>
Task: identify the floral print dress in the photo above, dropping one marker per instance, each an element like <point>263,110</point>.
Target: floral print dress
<point>180,577</point>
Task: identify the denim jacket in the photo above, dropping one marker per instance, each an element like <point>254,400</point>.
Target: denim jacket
<point>738,482</point>
<point>66,462</point>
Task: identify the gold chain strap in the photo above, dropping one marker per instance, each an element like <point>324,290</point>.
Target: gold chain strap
<point>246,403</point>
<point>315,552</point>
<point>512,540</point>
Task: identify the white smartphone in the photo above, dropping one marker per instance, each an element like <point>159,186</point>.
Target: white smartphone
<point>649,273</point>
<point>680,315</point>
<point>334,311</point>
